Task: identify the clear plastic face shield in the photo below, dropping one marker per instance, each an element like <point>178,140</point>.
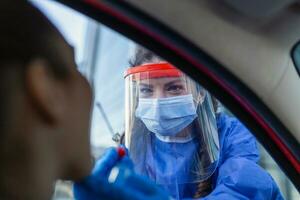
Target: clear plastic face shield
<point>170,128</point>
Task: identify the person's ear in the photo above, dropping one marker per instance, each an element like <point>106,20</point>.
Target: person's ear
<point>45,91</point>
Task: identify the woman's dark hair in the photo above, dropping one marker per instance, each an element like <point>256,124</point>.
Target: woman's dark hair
<point>143,55</point>
<point>27,34</point>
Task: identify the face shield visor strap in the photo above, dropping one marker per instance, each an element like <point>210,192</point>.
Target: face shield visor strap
<point>153,70</point>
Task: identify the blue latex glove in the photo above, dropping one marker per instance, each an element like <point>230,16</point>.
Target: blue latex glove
<point>133,186</point>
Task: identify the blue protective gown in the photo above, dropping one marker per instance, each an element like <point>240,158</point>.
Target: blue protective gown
<point>237,177</point>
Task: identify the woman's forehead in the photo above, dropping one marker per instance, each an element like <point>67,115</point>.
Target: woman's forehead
<point>162,81</point>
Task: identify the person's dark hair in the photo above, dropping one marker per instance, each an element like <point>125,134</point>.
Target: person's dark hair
<point>143,55</point>
<point>25,35</point>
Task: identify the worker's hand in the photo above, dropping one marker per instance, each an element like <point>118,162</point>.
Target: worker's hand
<point>132,186</point>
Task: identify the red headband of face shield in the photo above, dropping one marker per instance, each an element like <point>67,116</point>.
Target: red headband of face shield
<point>153,70</point>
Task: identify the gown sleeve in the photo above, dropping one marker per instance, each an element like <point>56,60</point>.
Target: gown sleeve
<point>238,176</point>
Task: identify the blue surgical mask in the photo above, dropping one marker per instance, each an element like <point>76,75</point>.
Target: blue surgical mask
<point>167,116</point>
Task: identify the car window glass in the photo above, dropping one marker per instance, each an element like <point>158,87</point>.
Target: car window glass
<point>102,56</point>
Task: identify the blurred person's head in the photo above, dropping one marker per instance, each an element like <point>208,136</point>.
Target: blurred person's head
<point>45,105</point>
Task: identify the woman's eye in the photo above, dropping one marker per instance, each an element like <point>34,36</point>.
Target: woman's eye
<point>175,89</point>
<point>146,91</point>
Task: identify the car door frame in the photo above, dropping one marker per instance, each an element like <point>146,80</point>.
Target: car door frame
<point>235,95</point>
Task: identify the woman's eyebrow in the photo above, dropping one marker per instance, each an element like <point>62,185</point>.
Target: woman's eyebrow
<point>145,85</point>
<point>173,82</point>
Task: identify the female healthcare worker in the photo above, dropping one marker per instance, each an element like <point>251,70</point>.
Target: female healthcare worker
<point>176,139</point>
